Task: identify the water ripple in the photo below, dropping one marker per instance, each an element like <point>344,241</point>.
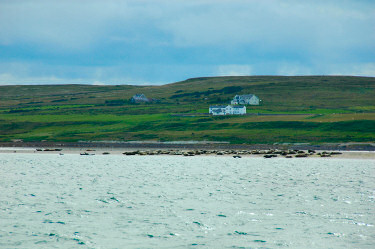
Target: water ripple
<point>207,202</point>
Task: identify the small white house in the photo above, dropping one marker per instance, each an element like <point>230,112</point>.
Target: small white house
<point>248,99</point>
<point>137,98</point>
<point>227,110</point>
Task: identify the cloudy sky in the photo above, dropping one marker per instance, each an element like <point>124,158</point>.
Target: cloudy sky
<point>164,41</point>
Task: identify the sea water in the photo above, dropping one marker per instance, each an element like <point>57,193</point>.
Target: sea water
<point>72,201</point>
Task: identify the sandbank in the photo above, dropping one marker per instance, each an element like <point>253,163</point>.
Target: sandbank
<point>119,151</point>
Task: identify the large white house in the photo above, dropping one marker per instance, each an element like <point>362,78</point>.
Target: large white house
<point>248,99</point>
<point>227,110</point>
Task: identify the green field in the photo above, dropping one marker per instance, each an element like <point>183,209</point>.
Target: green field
<point>313,109</point>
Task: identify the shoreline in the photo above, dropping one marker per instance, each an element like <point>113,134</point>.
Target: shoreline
<point>89,151</point>
<point>135,145</point>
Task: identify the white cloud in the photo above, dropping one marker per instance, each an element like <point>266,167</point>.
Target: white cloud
<point>288,37</point>
<point>38,73</point>
<point>272,24</point>
<point>9,79</point>
<point>233,70</point>
<point>67,25</point>
<point>78,24</point>
<point>291,69</point>
<point>349,69</point>
<point>98,83</point>
<point>363,69</point>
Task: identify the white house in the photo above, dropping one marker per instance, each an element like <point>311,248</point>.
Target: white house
<point>139,98</point>
<point>238,110</point>
<point>218,110</point>
<point>248,99</point>
<point>227,110</point>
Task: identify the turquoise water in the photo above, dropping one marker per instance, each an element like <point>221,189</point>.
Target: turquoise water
<point>72,201</point>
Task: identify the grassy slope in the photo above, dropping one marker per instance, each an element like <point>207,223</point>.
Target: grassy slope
<point>338,109</point>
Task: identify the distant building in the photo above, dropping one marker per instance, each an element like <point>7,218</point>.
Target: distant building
<point>248,99</point>
<point>238,110</point>
<point>227,110</point>
<point>138,98</point>
<point>218,110</point>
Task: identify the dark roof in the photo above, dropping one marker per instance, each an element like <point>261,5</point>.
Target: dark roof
<point>139,95</point>
<point>218,106</point>
<point>246,96</point>
<point>238,106</point>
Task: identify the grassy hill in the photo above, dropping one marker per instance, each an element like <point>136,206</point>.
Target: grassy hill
<point>313,109</point>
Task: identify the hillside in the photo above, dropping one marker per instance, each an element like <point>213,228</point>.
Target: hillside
<point>312,109</point>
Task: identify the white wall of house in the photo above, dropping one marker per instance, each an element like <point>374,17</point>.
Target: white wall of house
<point>218,110</point>
<point>239,110</point>
<point>254,100</point>
<point>227,110</point>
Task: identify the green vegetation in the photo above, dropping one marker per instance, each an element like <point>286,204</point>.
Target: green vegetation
<point>312,109</point>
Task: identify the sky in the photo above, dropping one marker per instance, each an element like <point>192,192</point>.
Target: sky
<point>143,42</point>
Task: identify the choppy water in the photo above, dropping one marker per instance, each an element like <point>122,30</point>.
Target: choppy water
<point>52,201</point>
